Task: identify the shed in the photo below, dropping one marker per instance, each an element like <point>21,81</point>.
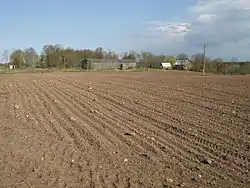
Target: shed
<point>166,65</point>
<point>84,64</point>
<point>12,67</point>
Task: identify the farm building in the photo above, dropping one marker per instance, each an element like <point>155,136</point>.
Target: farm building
<point>166,65</point>
<point>12,67</point>
<point>107,64</point>
<point>183,64</point>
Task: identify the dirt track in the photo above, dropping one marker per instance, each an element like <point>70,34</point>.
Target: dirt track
<point>148,129</point>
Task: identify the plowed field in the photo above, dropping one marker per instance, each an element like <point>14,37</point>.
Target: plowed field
<point>134,129</point>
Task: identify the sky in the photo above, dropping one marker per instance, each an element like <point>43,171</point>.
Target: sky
<point>166,27</point>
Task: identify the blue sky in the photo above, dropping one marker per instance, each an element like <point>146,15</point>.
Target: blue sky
<point>161,26</point>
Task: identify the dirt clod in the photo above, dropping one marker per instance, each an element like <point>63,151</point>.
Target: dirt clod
<point>145,155</point>
<point>169,180</point>
<point>206,161</point>
<point>93,111</point>
<point>130,134</point>
<point>72,118</point>
<point>181,185</point>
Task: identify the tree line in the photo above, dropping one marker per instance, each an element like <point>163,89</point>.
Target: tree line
<point>57,56</point>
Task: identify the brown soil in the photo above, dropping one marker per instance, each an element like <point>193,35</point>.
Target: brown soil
<point>147,129</point>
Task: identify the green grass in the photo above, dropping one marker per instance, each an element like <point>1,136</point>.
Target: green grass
<point>3,71</point>
<point>72,70</point>
<point>40,70</point>
<point>106,70</point>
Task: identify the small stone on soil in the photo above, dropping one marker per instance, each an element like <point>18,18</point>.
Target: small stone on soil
<point>193,179</point>
<point>169,180</point>
<point>145,155</point>
<point>181,185</point>
<point>16,106</point>
<point>162,147</point>
<point>125,160</point>
<point>213,182</point>
<point>129,134</point>
<point>206,161</point>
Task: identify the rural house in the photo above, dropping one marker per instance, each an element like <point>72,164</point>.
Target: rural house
<point>183,64</point>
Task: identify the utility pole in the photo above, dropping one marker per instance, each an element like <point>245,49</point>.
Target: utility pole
<point>64,63</point>
<point>204,61</point>
<point>6,58</point>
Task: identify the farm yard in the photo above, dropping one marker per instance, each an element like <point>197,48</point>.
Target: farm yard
<point>126,129</point>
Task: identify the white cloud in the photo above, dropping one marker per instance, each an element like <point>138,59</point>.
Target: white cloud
<point>223,24</point>
<point>206,18</point>
<point>219,6</point>
<point>175,28</point>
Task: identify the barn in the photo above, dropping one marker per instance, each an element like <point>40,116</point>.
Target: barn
<point>98,64</point>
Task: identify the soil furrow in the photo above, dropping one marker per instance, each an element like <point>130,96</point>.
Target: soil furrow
<point>141,103</point>
<point>242,157</point>
<point>193,98</point>
<point>181,146</point>
<point>65,118</point>
<point>219,148</point>
<point>53,92</point>
<point>119,108</point>
<point>203,117</point>
<point>105,118</point>
<point>124,129</point>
